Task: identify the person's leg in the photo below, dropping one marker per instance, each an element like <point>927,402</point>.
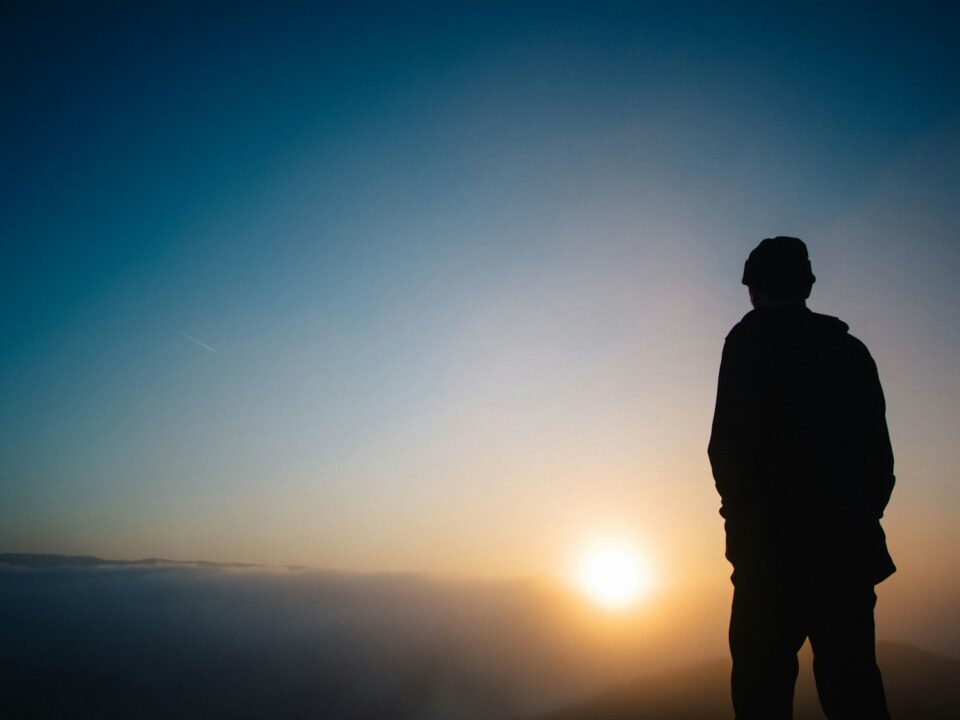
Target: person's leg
<point>844,655</point>
<point>765,636</point>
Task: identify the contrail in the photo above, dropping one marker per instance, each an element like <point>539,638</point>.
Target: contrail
<point>198,342</point>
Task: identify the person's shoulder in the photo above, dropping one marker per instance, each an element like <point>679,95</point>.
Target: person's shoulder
<point>828,324</point>
<point>746,327</point>
<point>840,331</point>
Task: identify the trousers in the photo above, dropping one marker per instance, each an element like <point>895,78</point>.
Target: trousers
<point>769,622</point>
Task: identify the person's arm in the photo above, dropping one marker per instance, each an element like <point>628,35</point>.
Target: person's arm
<point>729,450</point>
<point>878,447</point>
<point>874,455</point>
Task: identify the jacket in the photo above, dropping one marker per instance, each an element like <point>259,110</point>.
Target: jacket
<point>800,450</point>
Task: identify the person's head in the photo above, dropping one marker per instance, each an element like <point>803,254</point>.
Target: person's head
<point>778,272</point>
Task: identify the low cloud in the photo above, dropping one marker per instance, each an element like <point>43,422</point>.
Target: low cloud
<point>194,641</point>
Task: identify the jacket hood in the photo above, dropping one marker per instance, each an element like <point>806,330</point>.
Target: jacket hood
<point>789,319</point>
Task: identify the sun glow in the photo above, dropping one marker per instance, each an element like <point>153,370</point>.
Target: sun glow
<point>612,576</point>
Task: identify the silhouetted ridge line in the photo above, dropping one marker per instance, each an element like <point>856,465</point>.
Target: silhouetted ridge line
<point>42,560</point>
<point>921,686</point>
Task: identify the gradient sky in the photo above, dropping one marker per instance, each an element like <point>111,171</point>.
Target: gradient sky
<point>444,287</point>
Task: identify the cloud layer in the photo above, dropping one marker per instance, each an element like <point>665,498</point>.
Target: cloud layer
<point>178,641</point>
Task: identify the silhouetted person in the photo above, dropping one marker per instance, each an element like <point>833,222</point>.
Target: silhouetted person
<point>802,461</point>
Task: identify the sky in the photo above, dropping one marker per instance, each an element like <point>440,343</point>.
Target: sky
<point>443,287</point>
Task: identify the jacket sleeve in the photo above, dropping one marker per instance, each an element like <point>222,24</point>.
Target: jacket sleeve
<point>730,448</point>
<point>878,452</point>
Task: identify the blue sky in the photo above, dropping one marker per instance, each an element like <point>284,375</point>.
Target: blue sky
<point>465,270</point>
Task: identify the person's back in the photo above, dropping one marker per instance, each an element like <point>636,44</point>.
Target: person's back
<point>802,462</point>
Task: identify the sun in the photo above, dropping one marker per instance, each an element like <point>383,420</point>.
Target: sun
<point>612,575</point>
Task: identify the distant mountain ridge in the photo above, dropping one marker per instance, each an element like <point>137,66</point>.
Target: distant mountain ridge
<point>920,686</point>
<point>46,560</point>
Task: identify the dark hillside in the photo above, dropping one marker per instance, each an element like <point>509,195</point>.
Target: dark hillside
<point>920,686</point>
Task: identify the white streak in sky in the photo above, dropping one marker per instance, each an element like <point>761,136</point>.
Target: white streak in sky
<point>198,342</point>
